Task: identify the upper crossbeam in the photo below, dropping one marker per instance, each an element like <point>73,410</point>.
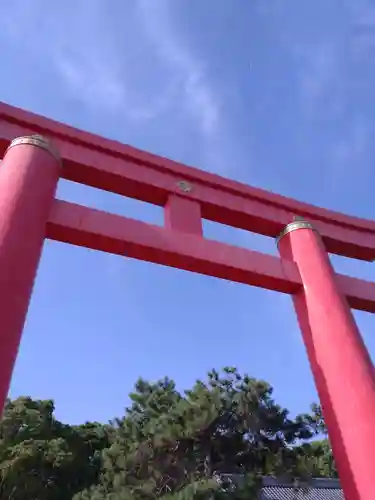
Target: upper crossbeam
<point>121,169</point>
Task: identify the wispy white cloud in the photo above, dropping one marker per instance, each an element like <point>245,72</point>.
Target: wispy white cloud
<point>331,71</point>
<point>138,70</point>
<point>319,74</point>
<point>190,71</point>
<point>353,146</point>
<point>325,61</point>
<point>326,93</point>
<point>199,99</point>
<point>104,87</point>
<point>95,62</point>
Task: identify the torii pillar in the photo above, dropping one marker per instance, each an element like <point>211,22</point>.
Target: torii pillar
<point>341,365</point>
<point>29,174</point>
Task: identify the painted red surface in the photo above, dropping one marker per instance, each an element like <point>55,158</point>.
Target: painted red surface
<point>182,214</point>
<point>28,180</point>
<point>118,168</point>
<point>86,227</point>
<point>341,365</point>
<point>28,214</point>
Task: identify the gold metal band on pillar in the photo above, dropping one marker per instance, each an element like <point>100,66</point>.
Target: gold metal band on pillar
<point>36,140</point>
<point>298,223</point>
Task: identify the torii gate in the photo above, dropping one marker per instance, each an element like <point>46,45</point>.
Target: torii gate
<point>37,152</point>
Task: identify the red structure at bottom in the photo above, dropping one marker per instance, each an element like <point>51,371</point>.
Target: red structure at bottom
<point>29,213</point>
<point>341,365</point>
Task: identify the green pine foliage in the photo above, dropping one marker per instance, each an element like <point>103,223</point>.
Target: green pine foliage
<point>212,442</point>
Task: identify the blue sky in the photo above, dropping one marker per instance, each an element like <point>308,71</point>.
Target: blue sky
<point>275,94</point>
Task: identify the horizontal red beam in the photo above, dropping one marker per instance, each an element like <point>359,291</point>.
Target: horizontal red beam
<point>86,227</point>
<point>121,169</point>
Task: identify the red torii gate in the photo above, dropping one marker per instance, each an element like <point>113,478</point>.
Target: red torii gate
<point>37,152</point>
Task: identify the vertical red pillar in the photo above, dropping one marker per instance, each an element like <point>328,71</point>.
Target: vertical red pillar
<point>341,365</point>
<point>28,178</point>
